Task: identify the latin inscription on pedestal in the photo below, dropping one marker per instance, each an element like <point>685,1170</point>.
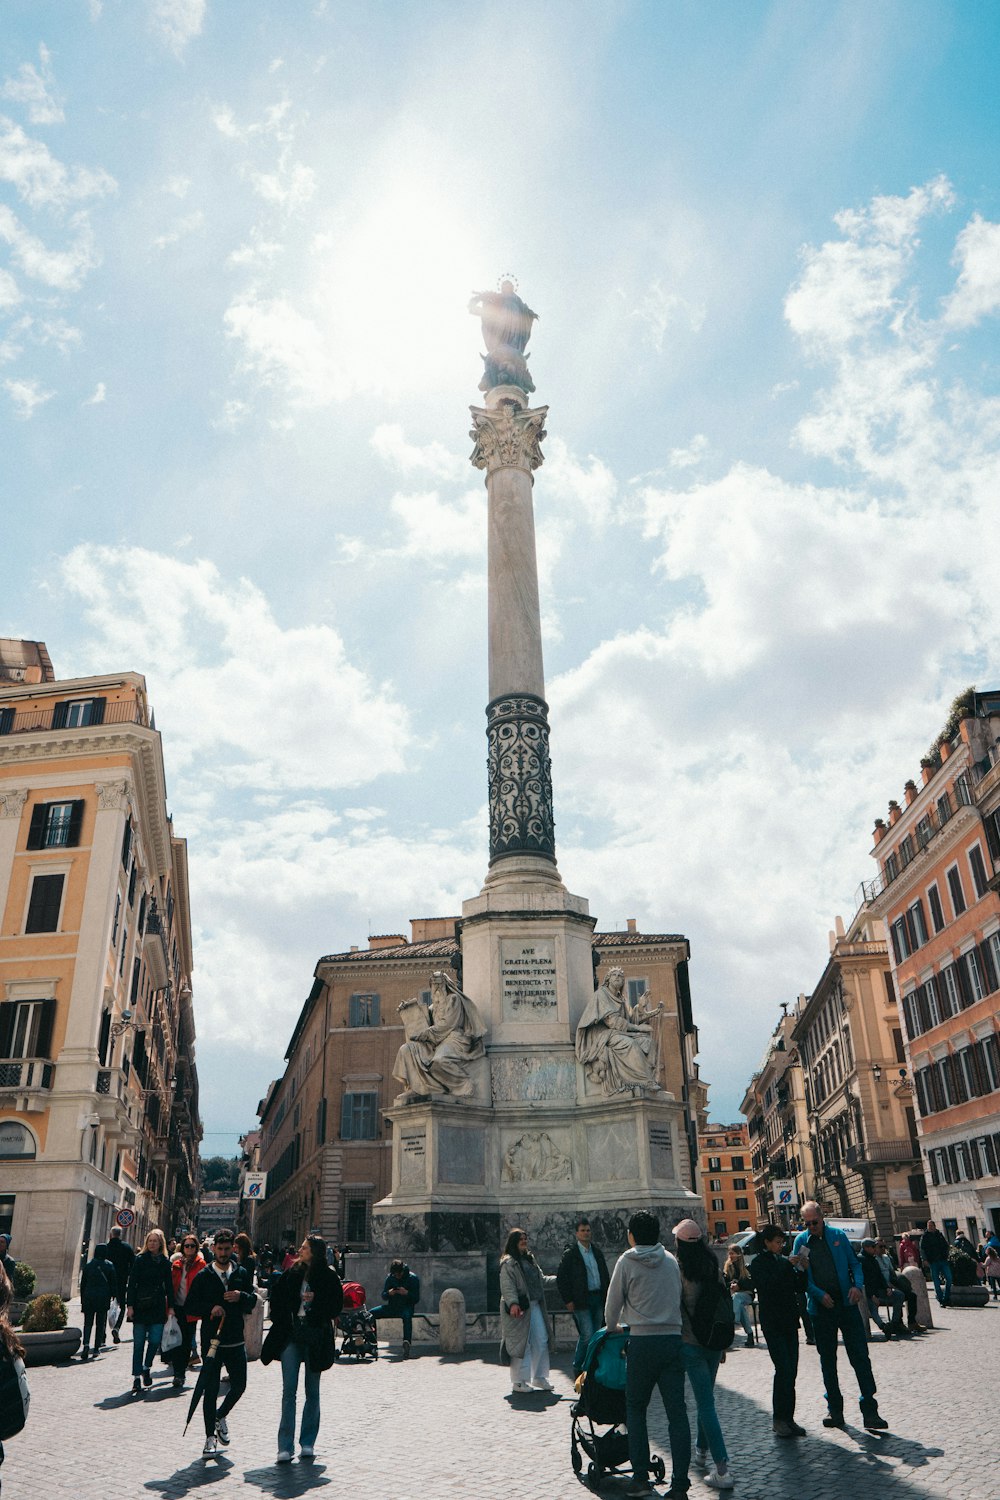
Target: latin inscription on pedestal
<point>519,1076</point>
<point>461,1155</point>
<point>413,1160</point>
<point>528,979</point>
<point>661,1151</point>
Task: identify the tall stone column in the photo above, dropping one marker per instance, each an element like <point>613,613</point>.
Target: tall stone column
<point>508,436</point>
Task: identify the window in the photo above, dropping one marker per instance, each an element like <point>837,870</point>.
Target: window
<point>126,844</point>
<point>739,1184</point>
<point>715,1163</point>
<point>925,831</point>
<point>718,1205</point>
<point>737,1164</point>
<point>78,713</point>
<point>944,808</point>
<point>358,1118</point>
<point>26,1028</point>
<point>890,869</point>
<point>967,1072</point>
<point>357,1221</point>
<point>720,1228</point>
<point>951,996</point>
<point>6,1213</point>
<point>915,924</point>
<point>715,1184</point>
<point>974,971</point>
<point>743,1203</point>
<point>900,940</point>
<point>934,902</point>
<point>989,1062</point>
<point>957,895</point>
<point>121,961</point>
<point>963,792</point>
<point>321,1122</point>
<point>55,825</point>
<point>636,990</point>
<point>133,875</point>
<point>44,903</point>
<point>743,1224</point>
<point>363,1010</point>
<point>6,720</point>
<point>906,850</point>
<point>117,918</point>
<point>980,879</point>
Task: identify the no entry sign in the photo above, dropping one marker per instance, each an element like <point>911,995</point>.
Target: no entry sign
<point>124,1218</point>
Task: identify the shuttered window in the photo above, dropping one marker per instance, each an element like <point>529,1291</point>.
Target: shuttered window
<point>359,1117</point>
<point>26,1028</point>
<point>55,825</point>
<point>934,902</point>
<point>957,894</point>
<point>44,903</point>
<point>363,1010</point>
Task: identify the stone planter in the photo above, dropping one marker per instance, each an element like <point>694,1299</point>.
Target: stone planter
<point>969,1296</point>
<point>50,1348</point>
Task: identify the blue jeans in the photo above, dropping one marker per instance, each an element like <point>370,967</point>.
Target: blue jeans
<point>145,1339</point>
<point>292,1356</point>
<point>941,1277</point>
<point>701,1367</point>
<point>846,1319</point>
<point>742,1303</point>
<point>893,1300</point>
<point>393,1310</point>
<point>588,1320</point>
<point>656,1360</point>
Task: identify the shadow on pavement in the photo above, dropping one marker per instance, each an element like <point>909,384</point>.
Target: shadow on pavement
<point>290,1479</point>
<point>195,1477</point>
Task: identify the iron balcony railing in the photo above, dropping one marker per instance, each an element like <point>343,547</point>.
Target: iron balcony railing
<point>933,821</point>
<point>882,1153</point>
<point>31,720</point>
<point>26,1073</point>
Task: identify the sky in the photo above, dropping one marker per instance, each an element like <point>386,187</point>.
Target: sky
<point>237,243</point>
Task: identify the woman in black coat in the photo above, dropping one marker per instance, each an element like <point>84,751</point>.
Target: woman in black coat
<point>150,1296</point>
<point>304,1303</point>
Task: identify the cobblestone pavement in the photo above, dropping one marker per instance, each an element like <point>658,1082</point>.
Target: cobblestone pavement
<point>437,1427</point>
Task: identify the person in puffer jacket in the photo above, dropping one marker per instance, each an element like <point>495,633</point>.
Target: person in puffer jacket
<point>645,1294</point>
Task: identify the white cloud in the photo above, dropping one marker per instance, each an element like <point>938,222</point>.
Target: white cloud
<point>433,458</point>
<point>62,269</point>
<point>291,187</point>
<point>177,22</point>
<point>181,229</point>
<point>977,291</point>
<point>39,178</point>
<point>10,292</point>
<point>659,309</point>
<point>33,87</point>
<point>691,456</point>
<point>99,396</point>
<point>178,186</point>
<point>283,348</point>
<point>249,703</point>
<point>27,396</point>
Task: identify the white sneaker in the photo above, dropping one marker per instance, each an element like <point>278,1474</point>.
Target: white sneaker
<point>222,1430</point>
<point>717,1481</point>
<point>521,1387</point>
<point>700,1459</point>
<point>211,1448</point>
<point>306,1451</point>
<point>542,1385</point>
<point>284,1457</point>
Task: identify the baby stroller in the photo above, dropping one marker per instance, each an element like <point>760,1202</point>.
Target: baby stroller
<point>602,1404</point>
<point>360,1340</point>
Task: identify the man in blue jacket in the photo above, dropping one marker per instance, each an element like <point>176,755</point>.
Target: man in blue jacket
<point>834,1286</point>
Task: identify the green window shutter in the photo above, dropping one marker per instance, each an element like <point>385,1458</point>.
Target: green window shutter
<point>36,832</point>
<point>96,715</point>
<point>45,1026</point>
<point>8,1015</point>
<point>44,903</point>
<point>59,715</point>
<point>75,823</point>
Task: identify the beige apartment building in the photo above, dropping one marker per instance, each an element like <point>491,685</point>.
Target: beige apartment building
<point>325,1144</point>
<point>778,1126</point>
<point>937,893</point>
<point>859,1098</point>
<point>98,1083</point>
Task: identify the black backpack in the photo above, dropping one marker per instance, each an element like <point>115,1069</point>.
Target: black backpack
<point>713,1319</point>
<point>14,1395</point>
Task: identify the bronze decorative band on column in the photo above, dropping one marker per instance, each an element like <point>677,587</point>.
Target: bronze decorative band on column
<point>520,777</point>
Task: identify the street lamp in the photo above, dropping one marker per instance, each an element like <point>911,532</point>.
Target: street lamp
<point>125,1024</point>
<point>877,1070</point>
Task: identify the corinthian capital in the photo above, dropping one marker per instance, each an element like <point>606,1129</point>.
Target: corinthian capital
<point>111,794</point>
<point>12,803</point>
<point>507,437</point>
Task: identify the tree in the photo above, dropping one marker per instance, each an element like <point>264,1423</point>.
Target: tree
<point>220,1174</point>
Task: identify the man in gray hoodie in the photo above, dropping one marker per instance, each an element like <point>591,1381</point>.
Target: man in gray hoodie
<point>645,1294</point>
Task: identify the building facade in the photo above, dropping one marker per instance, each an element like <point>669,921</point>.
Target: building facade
<point>859,1100</point>
<point>778,1128</point>
<point>725,1179</point>
<point>937,893</point>
<point>98,1082</point>
<point>324,1142</point>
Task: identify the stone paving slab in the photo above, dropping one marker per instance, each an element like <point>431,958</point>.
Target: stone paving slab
<point>434,1427</point>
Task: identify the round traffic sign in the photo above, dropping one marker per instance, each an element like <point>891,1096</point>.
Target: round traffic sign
<point>125,1218</point>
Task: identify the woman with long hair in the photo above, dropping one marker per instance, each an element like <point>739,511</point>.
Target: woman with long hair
<point>700,1272</point>
<point>148,1299</point>
<point>244,1254</point>
<point>304,1303</point>
<point>737,1278</point>
<point>10,1346</point>
<point>184,1268</point>
<point>524,1326</point>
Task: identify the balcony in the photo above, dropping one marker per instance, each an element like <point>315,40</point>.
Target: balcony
<point>154,949</point>
<point>882,1154</point>
<point>25,1083</point>
<point>936,817</point>
<point>32,720</point>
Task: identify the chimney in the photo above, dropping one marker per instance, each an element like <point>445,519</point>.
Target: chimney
<point>387,940</point>
<point>838,923</point>
<point>879,831</point>
<point>910,792</point>
<point>895,812</point>
<point>630,924</point>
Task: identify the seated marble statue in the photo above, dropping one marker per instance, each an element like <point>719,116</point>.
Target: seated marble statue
<point>436,1058</point>
<point>615,1042</point>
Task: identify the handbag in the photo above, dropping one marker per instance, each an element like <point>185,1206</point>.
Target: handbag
<point>15,1397</point>
<point>253,1330</point>
<point>171,1338</point>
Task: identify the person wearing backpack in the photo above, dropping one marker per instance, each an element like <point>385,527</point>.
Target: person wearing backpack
<point>14,1394</point>
<point>98,1284</point>
<point>645,1294</point>
<point>709,1326</point>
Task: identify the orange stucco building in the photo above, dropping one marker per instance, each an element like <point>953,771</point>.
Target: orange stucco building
<point>98,1085</point>
<point>937,892</point>
<point>725,1179</point>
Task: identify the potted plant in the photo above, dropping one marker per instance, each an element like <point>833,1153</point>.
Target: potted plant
<point>44,1333</point>
<point>966,1288</point>
<point>23,1282</point>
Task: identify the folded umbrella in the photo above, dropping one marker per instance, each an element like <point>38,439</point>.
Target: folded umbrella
<point>207,1364</point>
